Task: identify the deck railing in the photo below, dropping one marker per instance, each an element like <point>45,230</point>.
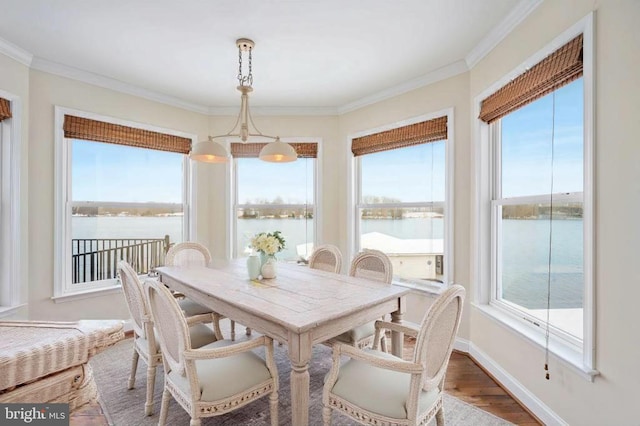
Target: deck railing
<point>97,258</point>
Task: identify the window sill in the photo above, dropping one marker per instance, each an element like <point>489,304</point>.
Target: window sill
<point>566,353</point>
<point>6,311</point>
<point>86,294</point>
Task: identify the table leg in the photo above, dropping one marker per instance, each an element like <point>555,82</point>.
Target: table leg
<point>300,354</point>
<point>397,337</point>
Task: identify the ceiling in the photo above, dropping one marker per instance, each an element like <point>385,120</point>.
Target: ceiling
<point>332,54</point>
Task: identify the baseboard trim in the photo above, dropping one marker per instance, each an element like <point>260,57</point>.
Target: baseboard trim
<point>532,404</point>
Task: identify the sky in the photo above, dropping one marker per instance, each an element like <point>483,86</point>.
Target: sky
<point>107,172</point>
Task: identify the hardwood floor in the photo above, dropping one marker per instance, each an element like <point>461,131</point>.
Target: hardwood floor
<point>465,380</point>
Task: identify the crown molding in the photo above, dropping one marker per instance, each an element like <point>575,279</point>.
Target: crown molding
<point>443,73</point>
<point>258,111</point>
<point>501,31</point>
<point>15,52</point>
<point>486,45</point>
<point>113,84</point>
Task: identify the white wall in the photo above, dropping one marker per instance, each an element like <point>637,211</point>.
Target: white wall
<point>46,91</point>
<point>612,399</point>
<point>450,93</point>
<point>14,79</point>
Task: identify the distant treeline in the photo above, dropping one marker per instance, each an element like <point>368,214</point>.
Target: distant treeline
<point>129,211</point>
<point>536,211</point>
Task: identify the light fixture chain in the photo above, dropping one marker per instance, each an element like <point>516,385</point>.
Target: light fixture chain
<point>245,80</point>
<point>240,66</point>
<point>250,76</point>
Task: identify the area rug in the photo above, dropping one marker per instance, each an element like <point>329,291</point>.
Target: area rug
<point>126,407</point>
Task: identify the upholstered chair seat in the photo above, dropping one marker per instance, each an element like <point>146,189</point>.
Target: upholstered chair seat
<point>375,388</point>
<point>237,373</point>
<point>378,390</point>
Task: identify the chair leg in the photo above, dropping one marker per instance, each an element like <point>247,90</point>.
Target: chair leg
<point>247,331</point>
<point>195,422</point>
<point>134,368</point>
<point>233,330</point>
<point>164,407</point>
<point>440,417</point>
<point>383,344</point>
<point>273,405</point>
<point>326,416</point>
<point>151,381</point>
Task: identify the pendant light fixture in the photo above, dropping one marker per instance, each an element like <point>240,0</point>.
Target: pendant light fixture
<point>212,151</point>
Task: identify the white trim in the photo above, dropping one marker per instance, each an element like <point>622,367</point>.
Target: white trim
<point>8,311</point>
<point>10,192</point>
<point>62,187</point>
<point>517,389</point>
<point>449,199</point>
<point>99,80</point>
<point>501,31</point>
<point>87,294</point>
<point>483,245</point>
<point>462,345</point>
<point>265,111</point>
<point>434,76</point>
<point>15,52</point>
<point>589,196</point>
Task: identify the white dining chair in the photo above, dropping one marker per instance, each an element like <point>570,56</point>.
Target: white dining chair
<point>326,258</point>
<point>377,388</point>
<point>373,265</point>
<point>216,378</point>
<point>190,253</point>
<point>145,342</point>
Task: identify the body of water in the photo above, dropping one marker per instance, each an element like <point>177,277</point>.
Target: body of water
<point>525,247</point>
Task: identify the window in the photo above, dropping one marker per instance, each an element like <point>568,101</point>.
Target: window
<point>401,199</point>
<point>275,197</point>
<point>534,255</point>
<point>525,142</point>
<point>122,202</point>
<point>10,235</point>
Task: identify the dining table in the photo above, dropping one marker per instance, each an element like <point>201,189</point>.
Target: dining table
<point>300,307</point>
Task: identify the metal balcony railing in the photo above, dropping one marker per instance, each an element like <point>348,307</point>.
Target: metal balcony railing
<point>97,259</point>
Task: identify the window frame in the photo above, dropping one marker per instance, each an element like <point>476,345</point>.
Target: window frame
<point>232,175</point>
<point>355,199</point>
<point>64,290</point>
<point>582,356</point>
<point>11,298</point>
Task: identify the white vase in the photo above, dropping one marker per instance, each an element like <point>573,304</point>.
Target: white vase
<point>269,268</point>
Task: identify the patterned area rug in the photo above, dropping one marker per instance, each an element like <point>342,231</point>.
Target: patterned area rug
<point>126,407</point>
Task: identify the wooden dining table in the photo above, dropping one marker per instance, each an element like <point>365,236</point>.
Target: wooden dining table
<point>301,307</point>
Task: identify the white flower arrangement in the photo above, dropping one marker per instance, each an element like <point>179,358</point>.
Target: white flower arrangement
<point>268,243</point>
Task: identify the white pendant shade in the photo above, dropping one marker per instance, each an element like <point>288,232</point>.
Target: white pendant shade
<point>209,152</point>
<point>278,152</point>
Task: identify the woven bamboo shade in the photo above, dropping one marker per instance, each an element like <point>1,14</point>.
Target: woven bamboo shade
<point>558,69</point>
<point>5,109</point>
<point>413,134</point>
<point>252,150</point>
<point>99,131</point>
